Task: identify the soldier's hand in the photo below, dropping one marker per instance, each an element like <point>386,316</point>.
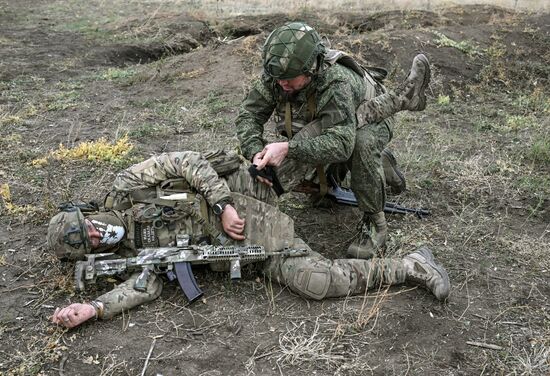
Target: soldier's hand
<point>73,315</point>
<point>233,225</point>
<point>272,155</point>
<point>256,160</point>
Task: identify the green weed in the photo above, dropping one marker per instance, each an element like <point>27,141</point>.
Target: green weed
<point>536,102</point>
<point>113,74</point>
<point>63,100</point>
<point>443,100</point>
<point>518,122</point>
<point>483,124</point>
<point>466,46</point>
<point>540,151</point>
<point>69,85</point>
<point>533,183</point>
<point>147,130</point>
<point>11,140</point>
<point>496,70</point>
<point>215,103</point>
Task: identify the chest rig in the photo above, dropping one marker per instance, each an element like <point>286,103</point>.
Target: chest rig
<point>172,213</point>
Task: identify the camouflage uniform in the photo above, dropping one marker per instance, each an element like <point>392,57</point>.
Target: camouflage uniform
<point>312,276</point>
<point>347,141</point>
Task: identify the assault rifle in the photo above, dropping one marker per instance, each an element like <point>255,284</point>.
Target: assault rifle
<point>347,197</point>
<point>175,262</point>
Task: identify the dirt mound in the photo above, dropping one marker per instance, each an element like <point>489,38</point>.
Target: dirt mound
<point>466,45</point>
<point>478,157</point>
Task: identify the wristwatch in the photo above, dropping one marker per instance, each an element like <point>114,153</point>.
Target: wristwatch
<point>219,206</point>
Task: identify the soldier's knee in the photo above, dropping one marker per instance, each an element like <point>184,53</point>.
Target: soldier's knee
<point>320,281</point>
<point>311,282</point>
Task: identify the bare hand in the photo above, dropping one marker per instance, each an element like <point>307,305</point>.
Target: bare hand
<point>232,224</point>
<point>272,155</point>
<point>73,315</point>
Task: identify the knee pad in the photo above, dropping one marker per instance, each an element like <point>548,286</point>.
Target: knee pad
<point>311,282</point>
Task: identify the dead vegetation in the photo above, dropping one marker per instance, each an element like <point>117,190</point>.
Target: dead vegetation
<point>160,79</point>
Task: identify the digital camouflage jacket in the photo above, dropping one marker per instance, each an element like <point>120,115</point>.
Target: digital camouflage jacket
<point>337,93</point>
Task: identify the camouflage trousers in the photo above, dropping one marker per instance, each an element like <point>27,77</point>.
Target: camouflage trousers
<point>312,276</point>
<point>365,166</point>
<point>316,277</point>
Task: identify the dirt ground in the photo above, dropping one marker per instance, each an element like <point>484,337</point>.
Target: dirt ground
<point>172,79</point>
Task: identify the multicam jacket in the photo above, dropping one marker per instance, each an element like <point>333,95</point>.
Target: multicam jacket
<point>150,203</point>
<point>337,92</point>
<point>143,200</point>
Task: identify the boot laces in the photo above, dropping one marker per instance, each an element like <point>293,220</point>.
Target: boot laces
<point>364,228</point>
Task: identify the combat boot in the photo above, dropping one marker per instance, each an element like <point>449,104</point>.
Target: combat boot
<point>374,230</point>
<point>394,178</point>
<point>422,270</point>
<point>412,93</point>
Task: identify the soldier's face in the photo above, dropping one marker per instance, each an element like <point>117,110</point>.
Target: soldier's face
<point>294,84</point>
<point>93,234</point>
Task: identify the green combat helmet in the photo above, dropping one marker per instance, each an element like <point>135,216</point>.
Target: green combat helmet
<point>292,50</point>
<point>67,235</point>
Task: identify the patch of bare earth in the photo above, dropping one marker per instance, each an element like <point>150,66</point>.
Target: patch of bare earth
<point>478,157</point>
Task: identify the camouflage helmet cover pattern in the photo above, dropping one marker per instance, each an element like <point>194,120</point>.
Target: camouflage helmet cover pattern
<point>67,235</point>
<point>291,50</point>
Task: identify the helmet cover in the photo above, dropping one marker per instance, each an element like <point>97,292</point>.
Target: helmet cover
<point>292,50</point>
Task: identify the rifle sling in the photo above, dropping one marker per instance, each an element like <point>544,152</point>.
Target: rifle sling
<point>288,120</point>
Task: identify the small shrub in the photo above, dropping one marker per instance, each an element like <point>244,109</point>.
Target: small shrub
<point>517,122</point>
<point>537,101</point>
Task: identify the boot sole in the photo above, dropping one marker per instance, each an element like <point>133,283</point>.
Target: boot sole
<point>427,78</point>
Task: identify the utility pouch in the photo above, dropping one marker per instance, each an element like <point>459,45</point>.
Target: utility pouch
<point>224,163</point>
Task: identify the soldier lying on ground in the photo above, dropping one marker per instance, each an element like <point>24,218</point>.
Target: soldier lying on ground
<point>135,218</point>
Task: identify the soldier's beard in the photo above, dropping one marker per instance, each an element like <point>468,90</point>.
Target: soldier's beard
<point>109,226</point>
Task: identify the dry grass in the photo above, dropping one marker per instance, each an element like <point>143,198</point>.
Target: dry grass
<point>100,150</point>
<point>469,164</point>
<point>232,8</point>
